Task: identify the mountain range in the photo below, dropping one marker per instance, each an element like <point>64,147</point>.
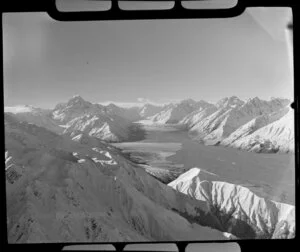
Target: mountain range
<point>252,125</point>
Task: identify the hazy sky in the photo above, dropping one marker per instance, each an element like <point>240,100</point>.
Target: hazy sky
<point>46,61</point>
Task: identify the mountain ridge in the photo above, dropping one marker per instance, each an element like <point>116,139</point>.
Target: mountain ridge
<point>213,124</point>
<point>240,207</point>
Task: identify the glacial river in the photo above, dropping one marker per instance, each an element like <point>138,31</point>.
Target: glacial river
<point>169,151</point>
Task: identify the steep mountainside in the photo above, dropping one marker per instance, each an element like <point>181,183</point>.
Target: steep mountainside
<point>255,124</point>
<point>59,190</point>
<point>150,110</point>
<point>37,116</point>
<point>239,210</point>
<point>229,102</point>
<point>275,136</point>
<point>75,107</point>
<point>197,116</point>
<point>101,126</point>
<point>175,112</point>
<point>131,114</point>
<point>235,120</point>
<point>110,123</point>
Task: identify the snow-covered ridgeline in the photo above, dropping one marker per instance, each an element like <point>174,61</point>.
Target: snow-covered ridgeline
<point>240,211</point>
<point>254,125</point>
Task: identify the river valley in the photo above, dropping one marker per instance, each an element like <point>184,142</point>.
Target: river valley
<point>166,152</point>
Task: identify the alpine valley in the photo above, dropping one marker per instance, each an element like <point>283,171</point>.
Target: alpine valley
<point>190,170</point>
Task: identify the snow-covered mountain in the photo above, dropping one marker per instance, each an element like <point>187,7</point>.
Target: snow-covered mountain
<point>110,123</point>
<point>229,102</point>
<point>198,115</point>
<point>275,136</point>
<point>132,114</point>
<point>230,122</point>
<point>231,119</point>
<point>59,190</point>
<point>75,107</point>
<point>231,114</point>
<point>149,110</point>
<point>175,112</point>
<point>255,124</point>
<point>109,128</point>
<point>239,210</point>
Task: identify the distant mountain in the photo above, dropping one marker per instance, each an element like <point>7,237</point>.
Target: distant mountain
<point>274,133</point>
<point>175,112</point>
<point>229,122</point>
<point>131,114</point>
<point>238,210</point>
<point>149,110</point>
<point>230,119</point>
<point>37,116</point>
<point>197,116</point>
<point>75,107</point>
<point>229,102</point>
<point>110,123</point>
<point>102,126</point>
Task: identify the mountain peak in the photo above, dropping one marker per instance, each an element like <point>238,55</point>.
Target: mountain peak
<point>231,101</point>
<point>112,105</point>
<point>254,100</point>
<point>188,101</point>
<point>193,173</point>
<point>77,100</point>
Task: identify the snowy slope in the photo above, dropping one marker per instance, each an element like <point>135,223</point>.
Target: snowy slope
<point>212,124</point>
<point>235,119</point>
<point>72,191</point>
<point>229,102</point>
<point>198,115</point>
<point>75,107</point>
<point>110,123</point>
<point>255,124</point>
<point>240,211</point>
<point>149,110</point>
<point>275,136</point>
<point>131,114</point>
<point>174,112</point>
<point>100,126</point>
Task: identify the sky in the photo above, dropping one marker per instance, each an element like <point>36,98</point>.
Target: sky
<point>138,61</point>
